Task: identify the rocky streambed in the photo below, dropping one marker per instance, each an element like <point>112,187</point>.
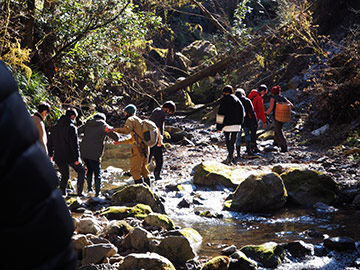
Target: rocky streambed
<point>295,210</point>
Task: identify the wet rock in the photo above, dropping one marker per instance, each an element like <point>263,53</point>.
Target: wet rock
<point>80,241</point>
<point>118,228</point>
<point>340,243</point>
<point>97,252</point>
<point>210,173</point>
<point>229,250</point>
<point>135,194</point>
<point>159,220</point>
<point>269,254</point>
<point>299,249</point>
<point>307,187</point>
<point>176,248</point>
<point>184,203</point>
<point>88,225</point>
<point>324,208</point>
<point>217,263</point>
<point>258,193</point>
<point>313,234</point>
<point>146,261</point>
<point>240,261</point>
<point>120,212</point>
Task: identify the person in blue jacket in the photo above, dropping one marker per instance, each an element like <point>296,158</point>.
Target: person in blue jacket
<point>36,226</point>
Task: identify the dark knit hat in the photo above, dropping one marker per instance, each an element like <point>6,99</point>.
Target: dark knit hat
<point>130,109</point>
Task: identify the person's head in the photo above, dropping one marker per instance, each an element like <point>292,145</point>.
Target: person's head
<point>71,113</point>
<point>44,109</point>
<point>240,92</point>
<point>130,110</point>
<point>228,90</point>
<point>276,90</point>
<point>169,107</point>
<point>263,89</point>
<point>100,116</point>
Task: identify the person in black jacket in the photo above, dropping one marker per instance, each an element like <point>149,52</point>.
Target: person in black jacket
<point>250,123</point>
<point>229,119</point>
<point>36,228</point>
<point>63,147</point>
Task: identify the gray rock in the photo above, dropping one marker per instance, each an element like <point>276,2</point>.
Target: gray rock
<point>88,225</point>
<point>97,252</point>
<point>146,261</point>
<point>138,239</point>
<point>299,249</point>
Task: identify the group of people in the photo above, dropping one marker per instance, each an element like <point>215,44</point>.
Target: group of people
<point>238,112</point>
<point>64,148</point>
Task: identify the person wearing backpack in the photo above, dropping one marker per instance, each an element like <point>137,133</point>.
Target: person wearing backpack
<point>229,119</point>
<point>279,138</point>
<point>139,150</point>
<point>158,117</point>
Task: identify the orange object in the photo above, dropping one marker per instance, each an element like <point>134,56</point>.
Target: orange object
<point>282,112</point>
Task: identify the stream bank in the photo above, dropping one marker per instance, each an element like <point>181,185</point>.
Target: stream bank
<point>201,208</point>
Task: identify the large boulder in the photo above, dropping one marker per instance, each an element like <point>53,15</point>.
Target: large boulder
<point>120,212</point>
<point>198,51</point>
<point>307,187</point>
<point>137,239</point>
<point>176,248</point>
<point>211,173</point>
<point>146,261</point>
<point>258,193</point>
<point>135,194</point>
<point>269,255</point>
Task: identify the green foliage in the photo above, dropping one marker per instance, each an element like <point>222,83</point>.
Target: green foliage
<point>240,30</point>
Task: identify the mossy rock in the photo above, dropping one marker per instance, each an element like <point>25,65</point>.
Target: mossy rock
<point>307,187</point>
<point>193,236</point>
<point>160,220</point>
<point>118,227</point>
<point>121,212</point>
<point>258,193</point>
<point>134,194</point>
<point>269,254</point>
<point>211,173</point>
<point>217,263</point>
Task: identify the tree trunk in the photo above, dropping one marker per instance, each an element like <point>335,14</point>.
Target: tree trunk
<point>29,25</point>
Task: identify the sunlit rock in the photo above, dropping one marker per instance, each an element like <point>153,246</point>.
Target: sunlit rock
<point>135,194</point>
<point>269,254</point>
<point>217,263</point>
<point>147,261</point>
<point>258,193</point>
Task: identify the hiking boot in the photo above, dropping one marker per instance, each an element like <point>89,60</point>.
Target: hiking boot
<point>283,149</point>
<point>248,149</point>
<point>147,181</point>
<point>139,181</point>
<point>157,176</point>
<point>254,148</point>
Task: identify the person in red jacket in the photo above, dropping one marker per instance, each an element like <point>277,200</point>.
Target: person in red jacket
<point>256,97</point>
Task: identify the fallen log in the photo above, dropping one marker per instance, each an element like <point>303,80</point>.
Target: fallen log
<point>206,72</point>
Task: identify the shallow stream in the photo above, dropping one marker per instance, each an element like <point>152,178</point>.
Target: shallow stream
<point>234,228</point>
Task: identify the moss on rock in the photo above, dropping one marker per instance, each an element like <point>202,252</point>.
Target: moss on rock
<point>217,263</point>
<point>121,212</point>
<point>134,194</point>
<point>269,254</point>
<point>307,187</point>
<point>160,220</point>
<point>210,173</point>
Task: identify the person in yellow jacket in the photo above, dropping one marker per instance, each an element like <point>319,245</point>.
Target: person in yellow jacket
<point>139,151</point>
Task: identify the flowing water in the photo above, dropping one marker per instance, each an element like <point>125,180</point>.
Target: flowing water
<point>235,228</point>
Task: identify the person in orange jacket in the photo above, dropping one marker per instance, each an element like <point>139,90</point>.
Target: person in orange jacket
<point>256,97</point>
